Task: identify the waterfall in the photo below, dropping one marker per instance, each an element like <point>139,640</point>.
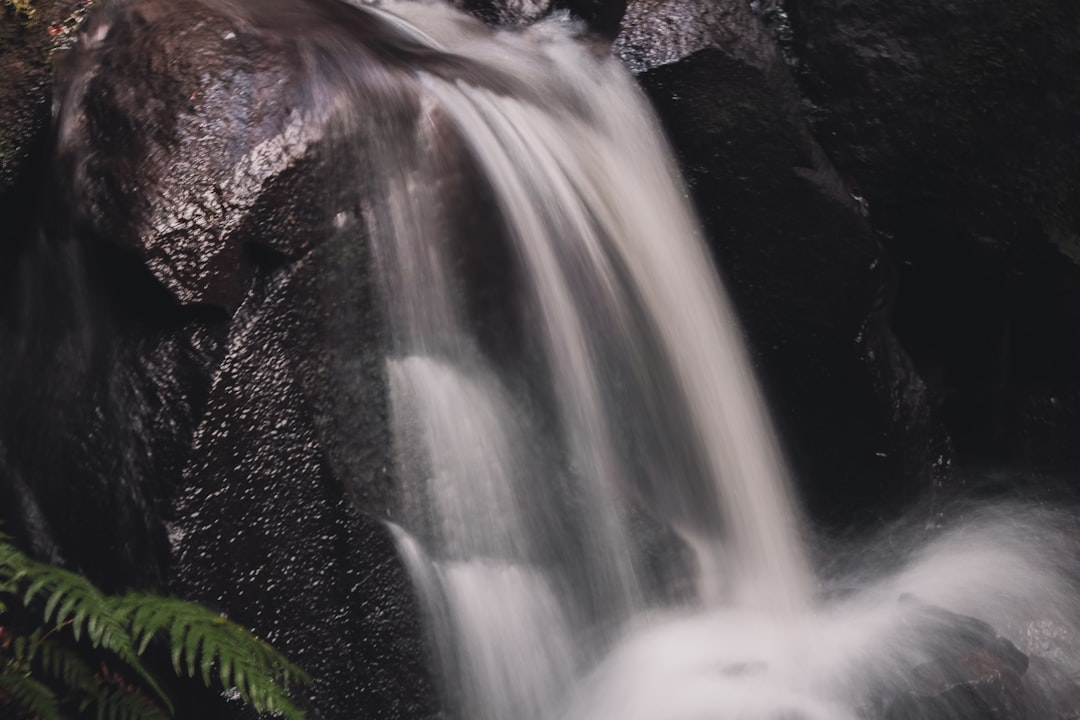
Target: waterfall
<point>523,479</point>
<point>574,412</point>
<point>554,417</point>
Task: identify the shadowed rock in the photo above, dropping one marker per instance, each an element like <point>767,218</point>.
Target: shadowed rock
<point>29,32</point>
<point>266,531</point>
<point>808,276</point>
<point>959,123</point>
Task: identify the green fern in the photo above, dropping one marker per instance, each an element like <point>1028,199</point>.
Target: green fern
<point>32,696</point>
<point>56,660</point>
<point>202,640</point>
<point>72,601</point>
<point>75,616</point>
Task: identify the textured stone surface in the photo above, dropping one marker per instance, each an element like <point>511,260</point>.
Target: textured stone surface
<point>101,381</point>
<point>267,532</point>
<point>29,32</point>
<point>183,328</point>
<point>174,121</point>
<point>200,149</point>
<point>967,108</point>
<point>657,32</point>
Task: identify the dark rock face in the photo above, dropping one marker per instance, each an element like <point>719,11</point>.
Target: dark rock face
<point>192,343</point>
<point>101,382</point>
<point>267,530</point>
<point>969,107</point>
<point>28,33</point>
<point>959,123</point>
<point>182,101</point>
<point>808,276</point>
<point>657,32</point>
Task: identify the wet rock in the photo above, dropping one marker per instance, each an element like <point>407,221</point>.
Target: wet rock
<point>967,108</point>
<point>198,349</point>
<point>29,31</point>
<point>235,360</point>
<point>603,17</point>
<point>266,531</point>
<point>968,672</point>
<point>599,17</point>
<point>198,135</point>
<point>810,284</point>
<point>174,121</point>
<point>101,381</point>
<point>505,13</point>
<point>657,32</point>
<point>972,673</point>
<point>959,123</point>
<point>1052,693</point>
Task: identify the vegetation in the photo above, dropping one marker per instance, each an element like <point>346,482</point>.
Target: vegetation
<point>69,651</point>
<point>22,7</point>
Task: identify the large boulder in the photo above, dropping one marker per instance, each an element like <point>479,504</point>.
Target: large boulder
<point>102,380</point>
<point>193,394</point>
<point>810,280</point>
<point>177,130</point>
<point>292,445</point>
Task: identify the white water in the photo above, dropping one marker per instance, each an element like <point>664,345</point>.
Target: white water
<point>520,476</point>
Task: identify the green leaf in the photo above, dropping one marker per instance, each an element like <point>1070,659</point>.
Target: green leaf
<point>31,695</point>
<point>83,618</point>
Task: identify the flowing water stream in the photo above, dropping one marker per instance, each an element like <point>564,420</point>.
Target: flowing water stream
<point>524,475</point>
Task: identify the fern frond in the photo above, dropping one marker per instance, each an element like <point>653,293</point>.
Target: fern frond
<point>203,644</point>
<point>30,695</point>
<point>201,639</point>
<point>119,704</point>
<point>72,600</point>
<point>61,662</point>
<point>65,664</point>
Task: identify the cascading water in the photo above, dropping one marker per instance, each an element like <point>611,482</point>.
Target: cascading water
<point>637,342</point>
<point>629,387</point>
<point>528,553</point>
